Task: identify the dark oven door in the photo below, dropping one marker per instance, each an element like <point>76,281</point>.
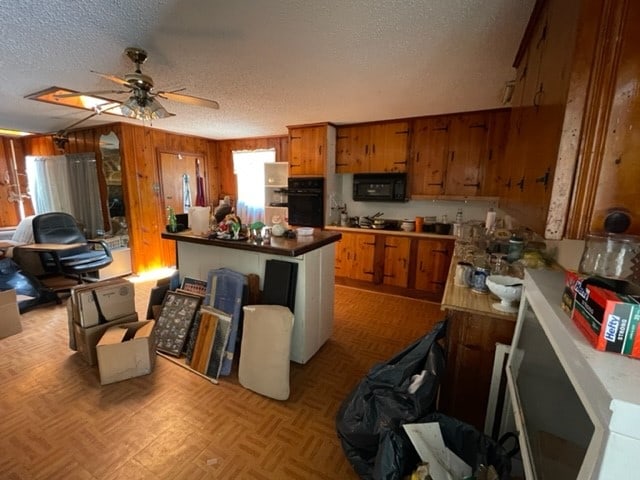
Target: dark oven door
<point>306,209</point>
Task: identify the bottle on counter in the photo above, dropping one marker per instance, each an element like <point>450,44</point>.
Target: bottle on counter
<point>172,221</point>
<point>459,216</point>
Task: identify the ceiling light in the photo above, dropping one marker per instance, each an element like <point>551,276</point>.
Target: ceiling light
<point>13,133</point>
<point>59,96</point>
<point>147,108</point>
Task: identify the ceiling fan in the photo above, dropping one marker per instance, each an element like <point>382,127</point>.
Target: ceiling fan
<point>142,103</point>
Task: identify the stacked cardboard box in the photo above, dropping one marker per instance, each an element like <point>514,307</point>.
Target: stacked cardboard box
<point>94,308</point>
<point>9,314</point>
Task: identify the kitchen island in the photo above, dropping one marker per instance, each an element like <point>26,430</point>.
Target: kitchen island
<point>314,256</point>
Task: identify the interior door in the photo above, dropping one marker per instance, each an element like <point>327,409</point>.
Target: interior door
<point>172,168</point>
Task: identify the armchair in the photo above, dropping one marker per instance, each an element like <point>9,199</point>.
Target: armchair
<point>58,229</point>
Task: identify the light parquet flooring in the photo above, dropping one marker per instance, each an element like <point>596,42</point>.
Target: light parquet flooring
<point>57,422</point>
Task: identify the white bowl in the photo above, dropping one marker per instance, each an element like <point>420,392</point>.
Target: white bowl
<point>508,289</point>
<point>305,231</point>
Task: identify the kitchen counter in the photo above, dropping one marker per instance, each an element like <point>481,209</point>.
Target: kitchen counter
<point>401,233</point>
<point>465,300</point>
<point>288,247</point>
<point>314,256</point>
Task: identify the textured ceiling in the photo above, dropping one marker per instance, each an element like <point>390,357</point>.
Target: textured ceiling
<point>268,63</point>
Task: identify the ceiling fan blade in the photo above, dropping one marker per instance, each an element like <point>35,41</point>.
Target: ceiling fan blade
<point>190,99</point>
<point>98,92</point>
<point>113,78</point>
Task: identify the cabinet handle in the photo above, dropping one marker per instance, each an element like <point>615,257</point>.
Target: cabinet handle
<point>537,97</point>
<point>388,275</point>
<point>521,184</point>
<point>477,185</point>
<point>404,263</point>
<point>418,157</point>
<point>369,243</point>
<point>479,125</point>
<point>320,150</point>
<point>295,138</point>
<point>400,163</point>
<point>441,129</point>
<point>441,184</point>
<point>368,272</point>
<point>366,149</point>
<point>295,165</point>
<point>544,179</point>
<point>452,155</point>
<point>390,246</point>
<point>402,132</point>
<point>446,252</point>
<point>341,164</point>
<point>420,267</point>
<point>373,149</point>
<point>508,184</point>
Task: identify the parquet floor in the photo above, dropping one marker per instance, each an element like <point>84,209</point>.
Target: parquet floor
<point>57,422</point>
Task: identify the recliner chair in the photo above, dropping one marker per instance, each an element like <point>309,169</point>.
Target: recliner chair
<point>62,228</point>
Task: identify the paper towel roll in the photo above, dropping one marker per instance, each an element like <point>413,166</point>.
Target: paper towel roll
<point>490,221</point>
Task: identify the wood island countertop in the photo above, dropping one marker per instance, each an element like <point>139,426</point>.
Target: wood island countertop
<point>465,300</point>
<point>288,247</point>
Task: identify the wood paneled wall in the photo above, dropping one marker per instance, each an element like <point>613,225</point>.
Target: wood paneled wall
<point>139,149</point>
<point>10,179</point>
<point>224,166</point>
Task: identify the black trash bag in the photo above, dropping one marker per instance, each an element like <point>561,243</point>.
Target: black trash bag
<point>369,421</point>
<point>473,446</point>
<point>12,276</point>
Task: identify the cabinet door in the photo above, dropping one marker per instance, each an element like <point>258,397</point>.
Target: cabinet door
<point>430,153</point>
<point>362,267</point>
<point>388,148</point>
<point>496,172</point>
<point>344,255</point>
<point>468,137</point>
<point>433,259</point>
<point>307,150</point>
<point>351,144</point>
<point>396,260</point>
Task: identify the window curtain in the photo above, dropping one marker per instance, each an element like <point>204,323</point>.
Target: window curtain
<point>67,183</point>
<point>248,167</point>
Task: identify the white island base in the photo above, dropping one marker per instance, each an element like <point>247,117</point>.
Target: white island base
<point>313,315</point>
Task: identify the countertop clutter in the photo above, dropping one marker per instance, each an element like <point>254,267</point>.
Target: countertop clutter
<point>402,233</point>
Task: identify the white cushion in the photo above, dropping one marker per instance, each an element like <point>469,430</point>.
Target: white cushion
<point>24,231</point>
<point>265,349</point>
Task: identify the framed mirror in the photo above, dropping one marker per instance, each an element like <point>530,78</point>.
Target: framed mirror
<point>112,170</point>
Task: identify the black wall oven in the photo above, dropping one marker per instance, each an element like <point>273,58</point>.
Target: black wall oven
<point>306,201</point>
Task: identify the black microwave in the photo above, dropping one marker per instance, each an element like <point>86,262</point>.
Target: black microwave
<point>380,187</point>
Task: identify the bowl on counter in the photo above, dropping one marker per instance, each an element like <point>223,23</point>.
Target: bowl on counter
<point>408,225</point>
<point>304,231</point>
<point>508,289</point>
<point>442,228</point>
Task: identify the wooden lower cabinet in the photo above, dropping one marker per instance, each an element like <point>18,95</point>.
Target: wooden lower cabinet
<point>355,254</point>
<point>471,344</point>
<point>396,261</point>
<point>402,265</point>
<point>433,257</point>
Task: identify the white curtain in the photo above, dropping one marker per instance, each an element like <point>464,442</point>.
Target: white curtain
<point>67,183</point>
<point>248,165</point>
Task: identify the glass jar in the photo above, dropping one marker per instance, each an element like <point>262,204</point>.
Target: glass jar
<point>611,255</point>
<point>516,249</point>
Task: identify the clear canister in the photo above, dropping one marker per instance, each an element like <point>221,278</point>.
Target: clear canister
<point>611,255</point>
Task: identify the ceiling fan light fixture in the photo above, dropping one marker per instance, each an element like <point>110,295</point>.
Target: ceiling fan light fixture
<point>151,110</point>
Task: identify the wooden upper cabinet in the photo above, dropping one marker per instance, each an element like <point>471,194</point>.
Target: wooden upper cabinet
<point>367,148</point>
<point>497,169</point>
<point>307,150</point>
<point>467,151</point>
<point>351,142</point>
<point>458,155</point>
<point>430,154</point>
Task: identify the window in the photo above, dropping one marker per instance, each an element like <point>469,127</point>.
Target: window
<point>248,167</point>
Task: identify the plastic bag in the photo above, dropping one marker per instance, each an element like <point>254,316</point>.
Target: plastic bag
<point>369,421</point>
<point>12,276</point>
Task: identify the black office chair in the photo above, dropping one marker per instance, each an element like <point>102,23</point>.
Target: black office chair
<point>62,228</point>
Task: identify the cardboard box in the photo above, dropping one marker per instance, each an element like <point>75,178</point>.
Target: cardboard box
<point>105,303</point>
<point>86,339</point>
<point>9,314</point>
<point>608,319</point>
<point>126,351</point>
